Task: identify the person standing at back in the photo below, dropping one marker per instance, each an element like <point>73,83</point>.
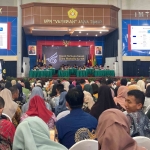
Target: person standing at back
<point>78,125</point>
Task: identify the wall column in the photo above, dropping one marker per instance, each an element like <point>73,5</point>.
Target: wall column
<point>19,39</point>
<point>120,62</point>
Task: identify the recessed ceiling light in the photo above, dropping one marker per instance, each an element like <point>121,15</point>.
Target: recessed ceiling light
<point>100,32</point>
<point>103,27</point>
<point>79,40</point>
<point>86,33</point>
<point>52,45</point>
<point>69,29</point>
<point>79,31</point>
<point>96,35</point>
<point>77,35</point>
<point>79,46</point>
<point>82,26</point>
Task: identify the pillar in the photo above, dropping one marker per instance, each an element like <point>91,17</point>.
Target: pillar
<point>19,39</point>
<point>120,62</point>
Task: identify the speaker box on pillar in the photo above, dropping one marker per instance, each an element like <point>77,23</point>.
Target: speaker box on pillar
<point>138,62</point>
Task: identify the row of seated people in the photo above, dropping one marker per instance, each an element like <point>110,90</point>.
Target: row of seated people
<point>78,124</point>
<point>66,67</point>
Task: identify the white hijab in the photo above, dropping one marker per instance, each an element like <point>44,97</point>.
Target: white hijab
<point>10,106</point>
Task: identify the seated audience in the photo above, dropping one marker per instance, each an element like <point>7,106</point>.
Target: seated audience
<point>113,132</point>
<point>26,90</point>
<point>141,84</point>
<point>88,88</point>
<point>13,82</point>
<point>7,130</point>
<point>78,125</point>
<point>109,83</point>
<point>66,84</point>
<point>121,96</point>
<point>117,87</point>
<point>140,124</point>
<point>61,105</point>
<point>33,134</point>
<point>15,93</point>
<point>104,102</point>
<point>35,91</point>
<point>147,99</point>
<point>11,108</point>
<point>8,85</point>
<point>82,83</point>
<point>38,108</point>
<point>134,87</point>
<point>55,100</point>
<point>95,91</point>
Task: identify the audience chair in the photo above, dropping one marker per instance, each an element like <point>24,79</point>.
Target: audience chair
<point>63,114</point>
<point>85,145</point>
<point>143,141</point>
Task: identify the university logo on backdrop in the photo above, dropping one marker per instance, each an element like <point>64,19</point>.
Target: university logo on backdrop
<point>72,14</point>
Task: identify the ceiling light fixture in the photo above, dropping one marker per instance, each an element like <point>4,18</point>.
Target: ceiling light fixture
<point>96,35</point>
<point>100,32</point>
<point>82,26</point>
<point>103,27</point>
<point>86,33</point>
<point>69,29</point>
<point>52,45</point>
<point>79,46</point>
<point>79,31</point>
<point>77,35</point>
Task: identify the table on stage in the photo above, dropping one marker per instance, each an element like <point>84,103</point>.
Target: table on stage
<point>104,73</point>
<point>63,73</point>
<point>40,73</point>
<point>53,70</point>
<point>90,71</point>
<point>72,71</point>
<point>81,73</point>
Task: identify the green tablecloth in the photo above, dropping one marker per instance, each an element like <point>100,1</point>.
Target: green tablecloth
<point>63,73</point>
<point>90,71</point>
<point>40,73</point>
<point>53,71</point>
<point>72,71</point>
<point>81,73</point>
<point>104,73</point>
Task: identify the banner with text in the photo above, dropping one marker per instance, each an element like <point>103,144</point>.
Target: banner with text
<point>59,55</point>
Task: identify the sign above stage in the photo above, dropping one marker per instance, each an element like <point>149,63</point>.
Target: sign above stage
<point>69,15</point>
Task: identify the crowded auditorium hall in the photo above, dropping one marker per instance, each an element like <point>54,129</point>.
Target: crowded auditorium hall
<point>74,75</point>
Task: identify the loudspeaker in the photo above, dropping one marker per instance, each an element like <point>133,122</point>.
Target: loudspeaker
<point>138,62</point>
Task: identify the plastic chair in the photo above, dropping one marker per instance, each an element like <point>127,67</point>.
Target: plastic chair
<point>143,141</point>
<point>63,114</point>
<point>85,145</point>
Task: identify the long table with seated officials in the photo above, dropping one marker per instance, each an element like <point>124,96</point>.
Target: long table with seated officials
<point>73,71</point>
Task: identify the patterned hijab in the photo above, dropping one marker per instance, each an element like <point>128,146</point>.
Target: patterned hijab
<point>113,131</point>
<point>33,133</point>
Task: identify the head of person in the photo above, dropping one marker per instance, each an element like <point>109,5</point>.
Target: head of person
<point>59,88</point>
<point>37,130</point>
<point>105,101</point>
<point>134,101</point>
<point>122,92</point>
<point>123,81</point>
<point>118,83</point>
<point>95,88</point>
<point>109,82</point>
<point>36,91</point>
<point>147,93</point>
<point>15,92</point>
<point>8,84</point>
<point>141,84</point>
<point>114,122</point>
<point>88,88</point>
<point>74,99</point>
<point>13,82</point>
<point>82,83</point>
<point>27,85</point>
<point>2,104</point>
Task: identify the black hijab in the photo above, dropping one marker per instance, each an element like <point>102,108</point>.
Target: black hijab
<point>104,101</point>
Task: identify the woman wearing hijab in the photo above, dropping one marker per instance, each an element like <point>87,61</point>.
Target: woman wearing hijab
<point>34,134</point>
<point>120,99</point>
<point>35,91</point>
<point>95,91</point>
<point>7,132</point>
<point>113,132</point>
<point>88,88</point>
<point>147,99</point>
<point>141,84</point>
<point>104,101</point>
<point>38,108</point>
<point>11,108</point>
